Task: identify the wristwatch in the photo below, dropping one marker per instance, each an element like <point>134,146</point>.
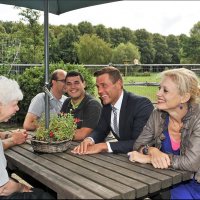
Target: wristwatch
<point>145,149</point>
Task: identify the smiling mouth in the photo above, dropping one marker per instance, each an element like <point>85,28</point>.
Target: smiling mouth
<point>160,101</point>
<point>103,96</point>
<point>73,91</point>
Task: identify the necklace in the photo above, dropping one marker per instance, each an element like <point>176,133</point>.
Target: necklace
<point>174,125</point>
<point>174,130</point>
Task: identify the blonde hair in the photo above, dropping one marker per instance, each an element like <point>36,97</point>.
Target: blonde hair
<point>186,81</point>
<point>9,91</point>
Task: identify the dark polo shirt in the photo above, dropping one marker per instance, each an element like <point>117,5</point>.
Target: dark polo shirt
<point>87,114</point>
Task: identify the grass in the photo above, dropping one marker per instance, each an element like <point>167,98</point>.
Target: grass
<point>152,78</point>
<point>147,91</point>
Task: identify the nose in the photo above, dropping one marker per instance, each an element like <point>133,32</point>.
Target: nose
<point>159,93</point>
<point>72,85</point>
<point>100,90</point>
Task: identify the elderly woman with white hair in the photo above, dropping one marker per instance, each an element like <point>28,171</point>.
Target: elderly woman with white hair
<point>10,94</point>
<point>171,137</point>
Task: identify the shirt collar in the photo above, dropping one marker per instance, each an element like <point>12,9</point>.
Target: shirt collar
<point>61,99</point>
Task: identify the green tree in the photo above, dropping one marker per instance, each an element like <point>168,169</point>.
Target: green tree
<point>2,29</point>
<point>116,37</point>
<point>128,35</point>
<point>173,48</point>
<point>85,28</point>
<point>93,50</point>
<point>183,41</point>
<point>125,52</point>
<point>34,34</point>
<point>195,29</point>
<point>145,45</point>
<point>8,25</point>
<point>66,49</point>
<point>161,50</point>
<point>190,48</point>
<point>102,32</point>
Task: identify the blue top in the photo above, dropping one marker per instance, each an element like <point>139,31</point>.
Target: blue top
<point>185,190</point>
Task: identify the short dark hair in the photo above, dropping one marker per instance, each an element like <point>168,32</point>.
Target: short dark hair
<point>75,73</point>
<point>113,73</point>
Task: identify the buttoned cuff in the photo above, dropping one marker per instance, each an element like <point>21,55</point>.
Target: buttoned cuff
<point>109,148</point>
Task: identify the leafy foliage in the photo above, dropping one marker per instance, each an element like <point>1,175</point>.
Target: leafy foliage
<point>145,45</point>
<point>125,52</point>
<point>91,50</point>
<point>61,127</point>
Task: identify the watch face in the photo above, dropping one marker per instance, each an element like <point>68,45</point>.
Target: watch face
<point>145,150</point>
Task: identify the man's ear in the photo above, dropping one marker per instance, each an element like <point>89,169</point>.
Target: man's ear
<point>185,98</point>
<point>120,83</point>
<point>84,83</point>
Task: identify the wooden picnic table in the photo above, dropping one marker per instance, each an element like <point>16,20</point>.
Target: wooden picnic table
<point>99,176</point>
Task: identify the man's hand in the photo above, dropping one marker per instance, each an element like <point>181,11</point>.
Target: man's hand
<point>19,136</point>
<point>135,156</point>
<point>159,159</point>
<point>83,146</point>
<point>97,148</point>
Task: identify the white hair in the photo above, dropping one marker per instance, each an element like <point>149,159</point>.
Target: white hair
<point>9,91</point>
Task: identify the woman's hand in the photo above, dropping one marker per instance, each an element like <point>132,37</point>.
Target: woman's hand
<point>12,186</point>
<point>135,156</point>
<point>159,159</point>
<point>19,136</point>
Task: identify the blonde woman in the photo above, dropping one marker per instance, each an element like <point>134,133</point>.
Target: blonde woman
<point>171,137</point>
<point>10,94</point>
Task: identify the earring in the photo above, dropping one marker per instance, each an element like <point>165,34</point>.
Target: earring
<point>181,106</point>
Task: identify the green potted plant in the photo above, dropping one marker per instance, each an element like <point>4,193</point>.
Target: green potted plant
<point>57,137</point>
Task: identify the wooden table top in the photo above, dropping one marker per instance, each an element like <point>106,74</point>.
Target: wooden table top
<point>99,176</point>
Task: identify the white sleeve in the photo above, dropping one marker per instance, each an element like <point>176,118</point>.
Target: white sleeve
<point>109,147</point>
<point>3,172</point>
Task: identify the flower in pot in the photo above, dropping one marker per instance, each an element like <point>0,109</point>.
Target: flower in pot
<point>56,138</point>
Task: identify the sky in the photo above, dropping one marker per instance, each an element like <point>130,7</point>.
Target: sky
<point>163,17</point>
